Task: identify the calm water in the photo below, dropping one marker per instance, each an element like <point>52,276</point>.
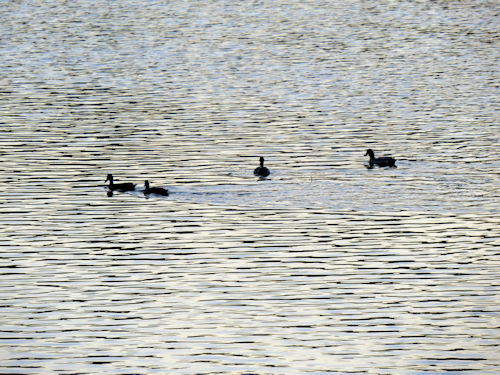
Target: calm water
<point>326,267</point>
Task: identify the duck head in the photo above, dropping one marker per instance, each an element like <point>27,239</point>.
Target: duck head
<point>146,184</point>
<point>370,153</point>
<point>109,178</point>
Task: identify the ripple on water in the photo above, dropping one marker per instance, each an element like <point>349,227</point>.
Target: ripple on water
<point>193,278</point>
<point>325,267</point>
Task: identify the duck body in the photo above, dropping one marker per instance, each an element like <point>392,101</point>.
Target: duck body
<point>261,171</point>
<point>385,161</point>
<point>154,190</point>
<point>125,186</point>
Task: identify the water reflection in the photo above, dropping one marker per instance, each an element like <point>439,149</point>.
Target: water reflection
<point>324,268</point>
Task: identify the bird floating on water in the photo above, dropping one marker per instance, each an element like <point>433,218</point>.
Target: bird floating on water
<point>154,190</point>
<point>125,186</point>
<point>261,171</point>
<point>384,161</point>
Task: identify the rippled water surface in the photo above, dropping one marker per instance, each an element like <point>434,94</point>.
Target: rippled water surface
<point>324,267</point>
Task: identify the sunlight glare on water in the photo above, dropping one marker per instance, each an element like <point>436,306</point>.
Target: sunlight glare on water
<point>324,267</point>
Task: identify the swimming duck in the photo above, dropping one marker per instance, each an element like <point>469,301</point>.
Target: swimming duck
<point>385,161</point>
<point>125,186</point>
<point>261,171</point>
<point>154,189</point>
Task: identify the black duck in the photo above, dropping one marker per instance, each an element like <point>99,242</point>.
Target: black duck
<point>154,190</point>
<point>261,171</point>
<point>385,161</point>
<point>125,186</point>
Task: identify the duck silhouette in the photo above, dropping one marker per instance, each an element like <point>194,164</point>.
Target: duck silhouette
<point>261,171</point>
<point>125,186</point>
<point>154,190</point>
<point>385,161</point>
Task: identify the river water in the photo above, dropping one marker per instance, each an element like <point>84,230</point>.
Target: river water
<point>326,267</point>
